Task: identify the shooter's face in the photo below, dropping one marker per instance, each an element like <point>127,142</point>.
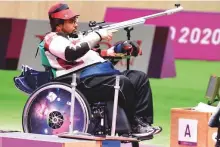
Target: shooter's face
<point>70,25</point>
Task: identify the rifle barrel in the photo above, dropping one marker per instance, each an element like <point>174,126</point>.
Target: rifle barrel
<point>136,21</point>
<point>141,20</point>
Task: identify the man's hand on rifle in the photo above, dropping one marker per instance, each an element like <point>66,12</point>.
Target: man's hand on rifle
<point>130,47</point>
<point>136,50</point>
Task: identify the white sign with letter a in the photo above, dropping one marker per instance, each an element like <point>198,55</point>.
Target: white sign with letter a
<point>187,132</point>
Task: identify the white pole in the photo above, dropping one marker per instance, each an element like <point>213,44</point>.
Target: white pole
<point>73,84</point>
<point>115,105</point>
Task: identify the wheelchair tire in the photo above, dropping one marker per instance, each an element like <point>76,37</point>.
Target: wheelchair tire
<point>49,114</point>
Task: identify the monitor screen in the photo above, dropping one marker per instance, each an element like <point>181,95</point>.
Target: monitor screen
<point>212,89</point>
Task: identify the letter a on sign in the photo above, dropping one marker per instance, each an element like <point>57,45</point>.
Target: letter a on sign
<point>187,132</point>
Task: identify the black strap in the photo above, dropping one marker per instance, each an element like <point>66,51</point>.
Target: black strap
<point>99,35</point>
<point>36,52</point>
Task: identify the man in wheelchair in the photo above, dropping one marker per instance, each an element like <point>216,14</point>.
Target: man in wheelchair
<point>64,52</point>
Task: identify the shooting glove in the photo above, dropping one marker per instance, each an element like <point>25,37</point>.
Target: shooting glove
<point>130,47</point>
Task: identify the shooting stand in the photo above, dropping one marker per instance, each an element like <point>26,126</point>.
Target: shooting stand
<point>128,30</point>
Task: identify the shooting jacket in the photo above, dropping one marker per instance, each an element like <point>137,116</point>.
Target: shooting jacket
<point>64,54</point>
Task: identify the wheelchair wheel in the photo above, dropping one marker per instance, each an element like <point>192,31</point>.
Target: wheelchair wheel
<point>47,110</point>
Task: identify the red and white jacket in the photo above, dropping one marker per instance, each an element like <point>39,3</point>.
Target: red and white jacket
<point>65,55</point>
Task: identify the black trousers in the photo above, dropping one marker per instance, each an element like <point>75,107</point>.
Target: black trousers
<point>135,95</point>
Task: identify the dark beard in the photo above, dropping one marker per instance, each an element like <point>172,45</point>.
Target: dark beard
<point>73,35</point>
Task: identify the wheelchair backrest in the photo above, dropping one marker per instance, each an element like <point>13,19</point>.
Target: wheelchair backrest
<point>31,79</point>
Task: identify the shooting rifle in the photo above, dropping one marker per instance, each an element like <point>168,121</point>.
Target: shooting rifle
<point>128,25</point>
<point>133,22</point>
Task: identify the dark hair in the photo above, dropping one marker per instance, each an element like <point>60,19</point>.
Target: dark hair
<point>54,22</point>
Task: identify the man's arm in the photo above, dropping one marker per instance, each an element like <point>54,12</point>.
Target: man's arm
<point>63,48</point>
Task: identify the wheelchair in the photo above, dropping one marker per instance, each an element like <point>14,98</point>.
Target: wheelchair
<point>47,109</point>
